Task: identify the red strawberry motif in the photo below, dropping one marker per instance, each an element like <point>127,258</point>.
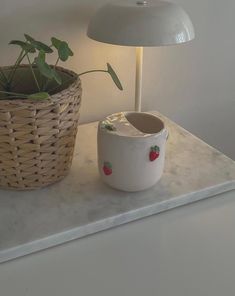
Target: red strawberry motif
<point>107,168</point>
<point>154,153</point>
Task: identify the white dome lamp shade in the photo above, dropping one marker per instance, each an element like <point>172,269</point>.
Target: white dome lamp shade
<point>141,23</point>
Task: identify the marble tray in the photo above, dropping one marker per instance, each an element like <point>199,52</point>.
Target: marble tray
<point>81,204</point>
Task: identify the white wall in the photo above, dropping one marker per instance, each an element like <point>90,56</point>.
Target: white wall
<point>193,84</point>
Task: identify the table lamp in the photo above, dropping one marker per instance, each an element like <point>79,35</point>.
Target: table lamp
<point>140,23</point>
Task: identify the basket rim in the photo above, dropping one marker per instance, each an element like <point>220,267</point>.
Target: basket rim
<point>52,98</point>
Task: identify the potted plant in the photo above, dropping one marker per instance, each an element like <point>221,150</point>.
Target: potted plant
<point>39,113</point>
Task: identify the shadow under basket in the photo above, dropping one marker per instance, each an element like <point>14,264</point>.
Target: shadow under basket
<point>37,137</point>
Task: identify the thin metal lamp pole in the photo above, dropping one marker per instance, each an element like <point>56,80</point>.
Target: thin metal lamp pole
<point>139,68</point>
<point>138,78</point>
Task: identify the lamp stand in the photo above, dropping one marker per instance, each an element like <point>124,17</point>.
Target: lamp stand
<point>138,78</point>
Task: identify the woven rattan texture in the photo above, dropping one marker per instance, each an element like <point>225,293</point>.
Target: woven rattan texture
<point>37,138</point>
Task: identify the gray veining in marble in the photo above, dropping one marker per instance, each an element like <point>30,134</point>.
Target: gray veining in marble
<point>81,204</point>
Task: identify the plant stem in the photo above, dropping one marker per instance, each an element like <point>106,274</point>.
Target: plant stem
<point>12,93</point>
<point>2,84</point>
<point>57,61</point>
<point>31,68</point>
<point>17,63</point>
<point>3,75</point>
<point>15,66</point>
<point>91,71</point>
<point>72,78</point>
<point>11,97</point>
<point>40,80</point>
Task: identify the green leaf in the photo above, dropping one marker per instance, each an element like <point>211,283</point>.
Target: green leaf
<point>70,52</point>
<point>114,77</point>
<point>29,38</point>
<point>57,77</point>
<point>38,44</point>
<point>41,46</point>
<point>24,45</point>
<point>43,67</point>
<point>39,96</point>
<point>42,55</point>
<point>64,51</point>
<point>56,42</point>
<point>17,42</point>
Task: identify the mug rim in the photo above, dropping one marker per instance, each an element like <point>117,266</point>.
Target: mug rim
<point>144,134</point>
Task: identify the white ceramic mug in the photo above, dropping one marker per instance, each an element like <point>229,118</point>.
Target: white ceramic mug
<point>131,150</point>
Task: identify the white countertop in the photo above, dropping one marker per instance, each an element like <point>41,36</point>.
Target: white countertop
<point>187,251</point>
<point>81,204</point>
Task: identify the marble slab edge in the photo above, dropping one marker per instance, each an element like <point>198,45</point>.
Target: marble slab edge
<point>114,221</point>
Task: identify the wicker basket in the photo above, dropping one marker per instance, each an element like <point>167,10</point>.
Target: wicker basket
<point>37,137</point>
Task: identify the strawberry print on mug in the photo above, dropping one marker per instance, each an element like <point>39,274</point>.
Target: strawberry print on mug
<point>154,153</point>
<point>107,168</point>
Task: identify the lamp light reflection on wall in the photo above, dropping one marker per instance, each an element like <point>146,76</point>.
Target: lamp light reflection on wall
<point>141,23</point>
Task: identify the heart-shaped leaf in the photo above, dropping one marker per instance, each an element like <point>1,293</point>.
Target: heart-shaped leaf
<point>38,44</point>
<point>70,51</point>
<point>42,55</point>
<point>56,42</point>
<point>41,46</point>
<point>39,96</point>
<point>24,45</point>
<point>114,77</point>
<point>29,38</point>
<point>63,49</point>
<point>43,67</point>
<point>57,77</point>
